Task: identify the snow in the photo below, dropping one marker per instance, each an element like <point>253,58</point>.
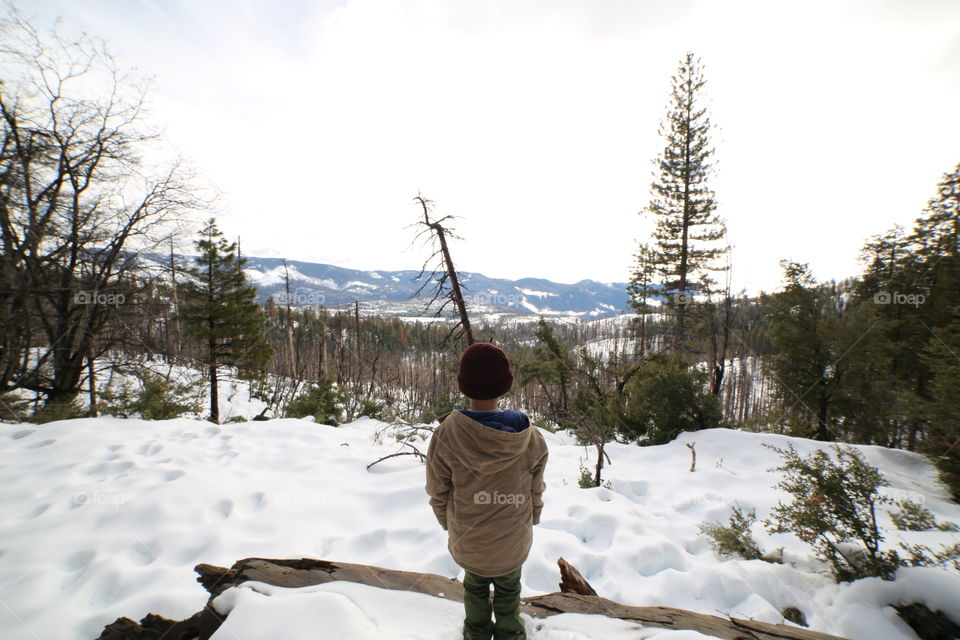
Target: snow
<point>278,275</point>
<point>359,284</point>
<point>533,292</point>
<point>360,612</point>
<point>106,517</point>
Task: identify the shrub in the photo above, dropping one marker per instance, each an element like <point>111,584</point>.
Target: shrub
<point>158,399</point>
<point>59,410</point>
<point>586,480</point>
<point>924,556</point>
<point>927,624</point>
<point>321,399</point>
<point>833,508</point>
<point>666,396</point>
<point>913,516</point>
<point>735,538</point>
<point>367,408</point>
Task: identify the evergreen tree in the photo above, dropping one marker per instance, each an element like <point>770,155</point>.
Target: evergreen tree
<point>665,396</point>
<point>220,311</point>
<point>552,366</point>
<point>688,232</point>
<point>640,290</point>
<point>892,269</point>
<point>936,239</point>
<point>807,367</point>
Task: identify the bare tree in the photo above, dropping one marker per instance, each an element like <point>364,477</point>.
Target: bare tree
<point>443,275</point>
<point>78,204</point>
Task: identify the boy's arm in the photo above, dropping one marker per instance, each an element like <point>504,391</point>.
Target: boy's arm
<point>538,485</point>
<point>438,482</point>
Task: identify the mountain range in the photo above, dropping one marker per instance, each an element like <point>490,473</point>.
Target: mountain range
<point>394,293</point>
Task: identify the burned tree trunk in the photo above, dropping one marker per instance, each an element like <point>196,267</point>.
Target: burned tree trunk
<point>449,276</point>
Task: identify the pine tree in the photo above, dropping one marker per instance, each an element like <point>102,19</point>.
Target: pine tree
<point>640,290</point>
<point>803,325</point>
<point>220,311</point>
<point>688,232</point>
<point>936,239</point>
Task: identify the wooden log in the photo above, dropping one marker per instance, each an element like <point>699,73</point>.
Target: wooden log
<point>300,572</point>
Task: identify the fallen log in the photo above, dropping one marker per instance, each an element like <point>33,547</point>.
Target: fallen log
<point>301,572</point>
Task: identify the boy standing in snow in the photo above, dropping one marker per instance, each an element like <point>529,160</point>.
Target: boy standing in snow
<point>485,480</point>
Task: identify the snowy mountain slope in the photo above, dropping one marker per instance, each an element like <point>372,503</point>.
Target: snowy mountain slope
<point>390,292</point>
<point>106,517</point>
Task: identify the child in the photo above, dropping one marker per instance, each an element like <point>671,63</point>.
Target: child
<point>485,480</point>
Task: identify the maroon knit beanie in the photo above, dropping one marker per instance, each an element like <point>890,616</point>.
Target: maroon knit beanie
<point>484,372</point>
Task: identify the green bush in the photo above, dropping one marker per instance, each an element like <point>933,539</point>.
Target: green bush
<point>666,396</point>
<point>586,480</point>
<point>735,538</point>
<point>59,410</point>
<point>158,399</point>
<point>913,516</point>
<point>833,508</point>
<point>321,399</point>
<point>927,624</point>
<point>370,409</point>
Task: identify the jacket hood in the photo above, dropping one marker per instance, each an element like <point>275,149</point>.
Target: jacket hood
<point>482,448</point>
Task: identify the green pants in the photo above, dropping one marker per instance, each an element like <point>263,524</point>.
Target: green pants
<point>506,607</point>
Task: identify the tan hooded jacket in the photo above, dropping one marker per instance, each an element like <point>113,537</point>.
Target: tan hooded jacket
<point>486,490</point>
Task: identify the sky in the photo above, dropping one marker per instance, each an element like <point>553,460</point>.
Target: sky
<point>535,122</point>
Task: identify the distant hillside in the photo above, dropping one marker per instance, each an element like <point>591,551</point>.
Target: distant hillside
<point>390,292</point>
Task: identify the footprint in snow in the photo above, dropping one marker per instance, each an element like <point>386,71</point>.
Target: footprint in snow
<point>37,445</point>
<point>38,510</point>
<point>170,476</point>
<point>144,554</point>
<point>222,509</point>
<point>255,501</point>
<point>79,560</point>
<point>150,449</point>
<point>23,433</point>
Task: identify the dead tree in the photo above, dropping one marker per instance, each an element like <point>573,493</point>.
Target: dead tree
<point>443,275</point>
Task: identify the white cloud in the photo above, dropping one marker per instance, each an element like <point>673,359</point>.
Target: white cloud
<point>536,122</point>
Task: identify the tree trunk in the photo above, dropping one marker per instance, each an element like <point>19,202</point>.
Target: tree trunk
<point>214,395</point>
<point>92,387</point>
<point>455,285</point>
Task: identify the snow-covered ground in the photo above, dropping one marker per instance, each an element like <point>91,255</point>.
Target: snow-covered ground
<point>106,517</point>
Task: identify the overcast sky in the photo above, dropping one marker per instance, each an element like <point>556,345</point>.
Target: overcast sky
<point>536,121</point>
